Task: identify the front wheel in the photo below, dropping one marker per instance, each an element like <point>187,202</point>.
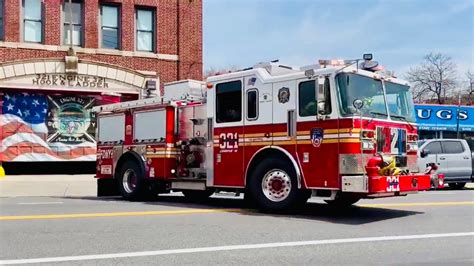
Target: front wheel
<point>273,186</point>
<point>343,201</point>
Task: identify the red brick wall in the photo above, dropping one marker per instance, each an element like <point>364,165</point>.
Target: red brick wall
<point>188,45</point>
<point>12,20</point>
<point>52,23</point>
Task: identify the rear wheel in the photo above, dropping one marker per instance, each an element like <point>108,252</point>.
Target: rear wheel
<point>458,185</point>
<point>197,195</point>
<point>131,182</point>
<point>273,185</point>
<point>343,201</point>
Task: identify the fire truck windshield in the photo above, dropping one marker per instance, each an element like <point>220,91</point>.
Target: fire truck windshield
<point>398,103</point>
<point>370,91</point>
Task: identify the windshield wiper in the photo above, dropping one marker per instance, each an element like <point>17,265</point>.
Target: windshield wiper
<point>404,119</point>
<point>377,113</point>
<point>373,114</point>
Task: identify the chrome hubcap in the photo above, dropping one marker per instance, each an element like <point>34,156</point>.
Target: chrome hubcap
<point>276,185</point>
<point>129,181</point>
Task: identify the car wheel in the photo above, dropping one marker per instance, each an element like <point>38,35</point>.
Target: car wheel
<point>457,185</point>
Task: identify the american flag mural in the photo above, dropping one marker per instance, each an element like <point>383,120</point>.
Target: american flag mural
<point>37,127</point>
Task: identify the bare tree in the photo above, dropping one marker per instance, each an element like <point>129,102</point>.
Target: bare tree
<point>214,71</point>
<point>434,79</point>
<point>470,85</point>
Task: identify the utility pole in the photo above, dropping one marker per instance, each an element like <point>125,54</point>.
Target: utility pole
<point>457,116</point>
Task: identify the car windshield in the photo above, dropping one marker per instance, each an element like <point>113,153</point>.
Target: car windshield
<point>370,91</point>
<point>399,101</point>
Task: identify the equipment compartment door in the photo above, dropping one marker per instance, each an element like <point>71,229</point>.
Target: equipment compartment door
<point>228,132</point>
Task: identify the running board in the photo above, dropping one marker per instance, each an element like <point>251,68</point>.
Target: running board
<point>188,184</point>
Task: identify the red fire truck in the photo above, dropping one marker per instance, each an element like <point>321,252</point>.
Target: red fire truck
<point>339,130</point>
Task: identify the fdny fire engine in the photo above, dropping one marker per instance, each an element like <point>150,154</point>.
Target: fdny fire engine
<point>339,130</point>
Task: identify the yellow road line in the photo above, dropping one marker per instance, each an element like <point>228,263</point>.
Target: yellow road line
<point>113,214</point>
<point>417,204</point>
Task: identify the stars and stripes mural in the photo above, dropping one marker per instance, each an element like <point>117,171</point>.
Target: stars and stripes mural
<point>37,127</point>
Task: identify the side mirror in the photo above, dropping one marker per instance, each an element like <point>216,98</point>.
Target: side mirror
<point>424,153</point>
<point>321,108</point>
<point>358,104</point>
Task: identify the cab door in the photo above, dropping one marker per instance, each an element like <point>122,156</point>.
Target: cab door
<point>317,145</point>
<point>258,116</point>
<point>458,159</point>
<point>433,153</point>
<point>228,132</point>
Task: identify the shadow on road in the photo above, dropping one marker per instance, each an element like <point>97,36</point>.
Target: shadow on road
<point>354,215</point>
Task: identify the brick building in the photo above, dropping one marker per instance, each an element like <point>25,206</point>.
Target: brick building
<point>58,58</point>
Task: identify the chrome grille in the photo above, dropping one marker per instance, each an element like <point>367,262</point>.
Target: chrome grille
<point>386,142</point>
<point>380,135</point>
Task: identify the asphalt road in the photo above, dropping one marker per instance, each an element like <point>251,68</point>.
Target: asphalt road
<point>435,227</point>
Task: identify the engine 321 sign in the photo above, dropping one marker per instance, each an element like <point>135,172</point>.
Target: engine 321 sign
<point>229,142</point>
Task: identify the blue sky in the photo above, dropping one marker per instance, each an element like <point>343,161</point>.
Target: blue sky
<point>399,33</point>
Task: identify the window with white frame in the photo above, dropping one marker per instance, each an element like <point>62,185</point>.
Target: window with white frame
<point>109,26</point>
<point>145,30</point>
<point>32,21</point>
<point>73,21</point>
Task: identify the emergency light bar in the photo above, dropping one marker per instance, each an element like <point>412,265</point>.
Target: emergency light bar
<point>335,62</point>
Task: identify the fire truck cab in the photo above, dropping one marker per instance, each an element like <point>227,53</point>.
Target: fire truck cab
<point>340,130</point>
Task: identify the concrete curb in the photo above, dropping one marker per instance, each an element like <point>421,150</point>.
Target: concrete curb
<point>48,186</point>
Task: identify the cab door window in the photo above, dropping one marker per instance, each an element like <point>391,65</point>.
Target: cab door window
<point>324,97</point>
<point>433,148</point>
<point>452,147</point>
<point>229,102</point>
<point>307,98</point>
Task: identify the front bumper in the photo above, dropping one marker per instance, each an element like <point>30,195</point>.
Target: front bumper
<point>400,183</point>
<point>390,185</point>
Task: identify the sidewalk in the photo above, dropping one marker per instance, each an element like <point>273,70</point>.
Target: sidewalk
<point>47,186</point>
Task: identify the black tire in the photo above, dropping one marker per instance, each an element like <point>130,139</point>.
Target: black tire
<point>132,190</point>
<point>303,197</point>
<point>106,187</point>
<point>197,195</point>
<point>343,201</point>
<point>287,190</point>
<point>458,185</point>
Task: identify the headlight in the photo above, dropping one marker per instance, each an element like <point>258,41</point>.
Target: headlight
<point>368,145</point>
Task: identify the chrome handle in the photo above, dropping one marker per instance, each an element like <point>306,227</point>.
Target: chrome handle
<point>442,158</point>
<point>465,157</point>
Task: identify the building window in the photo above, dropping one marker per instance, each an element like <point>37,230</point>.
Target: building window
<point>145,30</point>
<point>110,26</point>
<point>229,102</point>
<point>32,21</point>
<point>1,19</point>
<point>72,23</point>
<point>307,98</point>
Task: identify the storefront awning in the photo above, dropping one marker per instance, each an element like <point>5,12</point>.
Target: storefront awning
<point>445,117</point>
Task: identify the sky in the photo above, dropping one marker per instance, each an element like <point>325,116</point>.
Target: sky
<point>241,33</point>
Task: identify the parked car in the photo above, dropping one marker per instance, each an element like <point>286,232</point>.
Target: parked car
<point>453,157</point>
